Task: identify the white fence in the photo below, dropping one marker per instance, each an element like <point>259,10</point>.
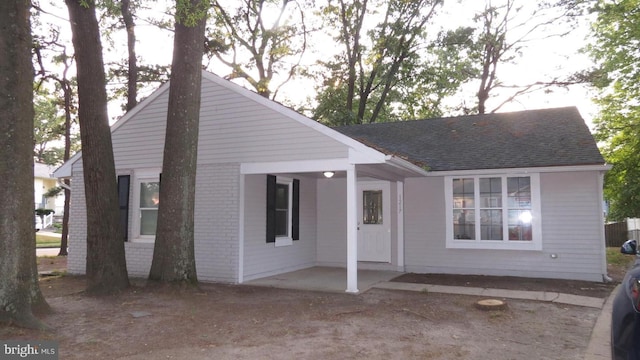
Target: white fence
<point>633,228</point>
<point>47,220</point>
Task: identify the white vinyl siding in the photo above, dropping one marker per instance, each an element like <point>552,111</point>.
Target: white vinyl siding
<point>332,222</point>
<point>571,231</point>
<point>238,129</point>
<point>262,258</point>
<point>233,128</point>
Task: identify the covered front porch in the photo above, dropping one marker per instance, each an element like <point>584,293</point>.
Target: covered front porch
<point>329,253</point>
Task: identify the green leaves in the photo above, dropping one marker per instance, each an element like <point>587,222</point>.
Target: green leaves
<point>392,65</point>
<point>616,49</point>
<point>190,12</point>
<point>258,40</point>
<point>49,127</point>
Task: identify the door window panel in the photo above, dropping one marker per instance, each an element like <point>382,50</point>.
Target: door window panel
<point>372,207</point>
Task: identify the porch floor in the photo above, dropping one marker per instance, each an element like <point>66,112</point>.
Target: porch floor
<point>330,279</point>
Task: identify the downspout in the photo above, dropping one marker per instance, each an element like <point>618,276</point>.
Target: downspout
<point>605,276</point>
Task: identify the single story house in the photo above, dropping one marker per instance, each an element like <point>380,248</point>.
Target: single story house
<point>516,194</point>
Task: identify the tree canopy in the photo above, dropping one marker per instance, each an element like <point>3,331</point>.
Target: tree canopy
<point>257,40</point>
<point>616,40</point>
<point>345,61</point>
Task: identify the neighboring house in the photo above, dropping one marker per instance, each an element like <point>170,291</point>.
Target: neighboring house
<point>516,194</point>
<point>44,181</point>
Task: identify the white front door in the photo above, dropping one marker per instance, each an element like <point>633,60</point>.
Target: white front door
<point>374,221</point>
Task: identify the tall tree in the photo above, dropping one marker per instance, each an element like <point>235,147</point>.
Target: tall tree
<point>505,30</point>
<point>257,40</point>
<point>173,253</point>
<point>106,266</point>
<point>375,60</point>
<point>124,12</point>
<point>63,84</point>
<point>20,294</point>
<point>421,85</point>
<point>67,91</point>
<point>132,72</point>
<point>493,42</point>
<point>132,80</point>
<point>48,128</point>
<point>614,47</point>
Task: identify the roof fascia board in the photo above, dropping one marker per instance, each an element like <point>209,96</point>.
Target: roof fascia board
<point>547,169</point>
<point>64,171</point>
<point>365,157</point>
<point>404,164</point>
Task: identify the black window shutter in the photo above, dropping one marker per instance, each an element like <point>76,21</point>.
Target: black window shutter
<point>295,217</point>
<point>123,204</point>
<point>271,208</point>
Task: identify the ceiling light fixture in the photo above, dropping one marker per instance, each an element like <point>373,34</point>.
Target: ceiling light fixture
<point>328,174</point>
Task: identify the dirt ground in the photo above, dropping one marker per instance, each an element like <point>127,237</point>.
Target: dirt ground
<point>244,322</point>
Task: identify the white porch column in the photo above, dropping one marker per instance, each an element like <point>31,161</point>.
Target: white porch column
<point>352,231</point>
<point>400,196</point>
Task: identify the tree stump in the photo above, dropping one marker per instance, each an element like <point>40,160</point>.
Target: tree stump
<point>491,304</point>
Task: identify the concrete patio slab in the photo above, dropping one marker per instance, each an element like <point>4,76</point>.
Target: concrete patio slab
<point>324,279</point>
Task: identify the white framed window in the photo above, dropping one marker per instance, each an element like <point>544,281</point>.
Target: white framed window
<point>146,199</point>
<point>493,212</point>
<point>284,211</point>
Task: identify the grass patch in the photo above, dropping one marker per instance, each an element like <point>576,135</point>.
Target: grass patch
<point>54,274</point>
<point>45,241</point>
<point>616,258</point>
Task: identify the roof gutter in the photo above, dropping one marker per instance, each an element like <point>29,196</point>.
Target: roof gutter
<point>404,164</point>
<point>543,169</point>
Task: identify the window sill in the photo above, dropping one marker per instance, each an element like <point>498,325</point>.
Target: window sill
<point>284,241</point>
<point>495,245</point>
<point>143,240</point>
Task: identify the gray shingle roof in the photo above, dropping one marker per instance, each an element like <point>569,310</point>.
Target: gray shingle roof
<point>532,138</point>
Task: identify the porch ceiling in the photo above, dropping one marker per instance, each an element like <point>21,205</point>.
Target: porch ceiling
<point>376,171</point>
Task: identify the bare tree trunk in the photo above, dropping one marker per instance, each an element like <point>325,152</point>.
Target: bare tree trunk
<point>132,81</point>
<point>351,35</point>
<point>173,254</point>
<point>65,85</point>
<point>64,239</point>
<point>20,294</point>
<point>106,266</point>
